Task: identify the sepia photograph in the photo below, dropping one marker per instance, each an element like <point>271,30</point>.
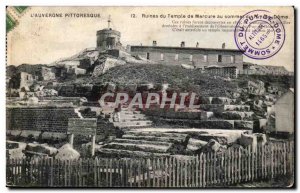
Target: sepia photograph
<point>150,97</point>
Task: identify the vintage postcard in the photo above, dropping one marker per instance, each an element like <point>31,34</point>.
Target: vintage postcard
<point>150,97</point>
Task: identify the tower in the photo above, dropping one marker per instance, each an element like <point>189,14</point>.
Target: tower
<point>108,38</point>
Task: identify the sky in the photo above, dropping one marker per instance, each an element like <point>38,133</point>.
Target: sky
<point>43,40</point>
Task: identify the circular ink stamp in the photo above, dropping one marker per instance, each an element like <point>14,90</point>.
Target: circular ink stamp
<point>259,34</point>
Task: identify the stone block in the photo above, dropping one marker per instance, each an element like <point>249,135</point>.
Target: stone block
<point>221,100</point>
<point>66,152</point>
<point>212,146</point>
<point>236,108</point>
<point>28,133</point>
<point>41,148</point>
<point>236,115</point>
<point>261,138</point>
<point>54,135</point>
<point>248,140</point>
<point>246,125</point>
<point>212,107</point>
<point>52,119</point>
<point>206,115</point>
<point>263,123</point>
<point>15,132</point>
<point>15,153</point>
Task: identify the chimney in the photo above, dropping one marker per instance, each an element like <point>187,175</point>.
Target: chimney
<point>182,44</point>
<point>223,46</point>
<point>154,43</point>
<point>128,48</point>
<point>197,45</point>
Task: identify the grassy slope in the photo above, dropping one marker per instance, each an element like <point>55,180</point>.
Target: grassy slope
<point>178,78</point>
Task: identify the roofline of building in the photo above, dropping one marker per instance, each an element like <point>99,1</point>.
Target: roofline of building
<point>217,66</point>
<point>272,66</point>
<point>290,90</point>
<point>108,30</point>
<point>188,48</point>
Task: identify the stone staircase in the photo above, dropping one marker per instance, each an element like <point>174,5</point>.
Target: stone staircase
<point>139,143</point>
<point>141,139</point>
<point>130,118</point>
<point>142,144</point>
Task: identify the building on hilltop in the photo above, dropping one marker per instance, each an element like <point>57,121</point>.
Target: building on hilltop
<point>198,57</point>
<point>108,38</point>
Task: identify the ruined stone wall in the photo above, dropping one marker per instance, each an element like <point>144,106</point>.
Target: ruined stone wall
<point>231,72</point>
<point>26,79</point>
<point>47,73</point>
<point>51,119</point>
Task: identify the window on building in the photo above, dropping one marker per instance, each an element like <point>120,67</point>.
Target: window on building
<point>205,58</point>
<point>148,55</point>
<point>232,59</point>
<point>161,56</point>
<point>176,57</point>
<point>191,58</point>
<point>219,58</point>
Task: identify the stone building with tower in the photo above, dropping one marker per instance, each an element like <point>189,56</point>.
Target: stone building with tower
<point>232,59</point>
<point>108,39</point>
